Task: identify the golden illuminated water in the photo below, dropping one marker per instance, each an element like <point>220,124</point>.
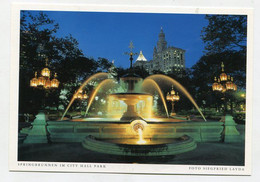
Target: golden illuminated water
<point>106,82</point>
<point>150,82</point>
<point>141,140</point>
<point>133,103</point>
<point>101,76</point>
<point>137,104</point>
<point>165,79</point>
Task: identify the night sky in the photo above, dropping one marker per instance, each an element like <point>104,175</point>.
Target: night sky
<point>108,35</point>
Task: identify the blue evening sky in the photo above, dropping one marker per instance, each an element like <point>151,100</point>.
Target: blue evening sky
<point>108,35</point>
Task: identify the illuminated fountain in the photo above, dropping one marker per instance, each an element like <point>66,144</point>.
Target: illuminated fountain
<point>138,126</point>
<point>140,147</point>
<point>134,100</point>
<point>129,126</point>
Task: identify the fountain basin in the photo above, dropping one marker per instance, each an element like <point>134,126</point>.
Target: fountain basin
<point>129,147</point>
<point>131,99</point>
<point>76,131</point>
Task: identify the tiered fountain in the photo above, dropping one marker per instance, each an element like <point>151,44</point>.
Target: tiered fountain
<point>122,118</point>
<point>131,111</point>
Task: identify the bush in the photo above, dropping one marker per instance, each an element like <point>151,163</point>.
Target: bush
<point>239,118</point>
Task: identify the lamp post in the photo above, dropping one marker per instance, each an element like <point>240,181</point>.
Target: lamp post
<point>242,105</point>
<point>224,84</point>
<point>80,95</point>
<point>172,97</point>
<point>43,81</point>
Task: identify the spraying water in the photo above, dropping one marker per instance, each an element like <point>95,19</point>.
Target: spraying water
<point>149,82</point>
<point>164,78</point>
<point>101,76</point>
<point>141,140</point>
<point>105,82</point>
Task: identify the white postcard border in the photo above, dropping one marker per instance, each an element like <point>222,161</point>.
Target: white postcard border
<point>15,165</point>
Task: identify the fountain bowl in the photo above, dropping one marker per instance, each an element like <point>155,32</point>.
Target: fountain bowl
<point>129,147</point>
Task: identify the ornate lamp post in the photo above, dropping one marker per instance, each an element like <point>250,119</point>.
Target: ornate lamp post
<point>80,95</point>
<point>173,97</point>
<point>224,84</point>
<point>44,80</point>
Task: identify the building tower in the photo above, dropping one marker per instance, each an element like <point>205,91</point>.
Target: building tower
<point>165,58</point>
<point>161,44</point>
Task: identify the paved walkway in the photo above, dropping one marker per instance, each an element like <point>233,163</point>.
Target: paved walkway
<point>204,154</point>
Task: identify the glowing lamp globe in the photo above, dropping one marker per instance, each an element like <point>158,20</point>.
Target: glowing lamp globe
<point>220,87</point>
<point>85,96</point>
<point>234,87</point>
<point>223,77</point>
<point>168,97</point>
<point>47,84</point>
<point>55,83</point>
<point>79,96</point>
<point>215,86</point>
<point>176,97</point>
<point>172,92</point>
<point>46,72</point>
<point>34,82</point>
<point>75,96</point>
<point>229,85</point>
<point>41,81</point>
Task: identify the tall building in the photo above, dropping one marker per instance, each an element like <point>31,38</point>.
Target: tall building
<point>165,59</point>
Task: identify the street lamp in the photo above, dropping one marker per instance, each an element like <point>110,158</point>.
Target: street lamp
<point>242,105</point>
<point>80,95</point>
<point>224,84</point>
<point>44,80</point>
<point>173,97</point>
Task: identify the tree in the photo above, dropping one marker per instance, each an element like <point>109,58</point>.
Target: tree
<point>38,41</point>
<point>208,67</point>
<point>225,41</point>
<point>184,77</point>
<point>225,33</point>
<point>34,32</point>
<point>103,64</point>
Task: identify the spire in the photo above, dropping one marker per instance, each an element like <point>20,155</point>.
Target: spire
<point>141,57</point>
<point>161,30</point>
<point>161,35</point>
<point>222,66</point>
<point>131,46</point>
<point>161,44</point>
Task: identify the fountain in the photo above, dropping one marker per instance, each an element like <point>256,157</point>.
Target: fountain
<point>140,147</point>
<point>135,102</point>
<point>128,126</point>
<point>128,123</point>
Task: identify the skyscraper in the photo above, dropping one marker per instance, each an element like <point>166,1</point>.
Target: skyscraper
<point>165,59</point>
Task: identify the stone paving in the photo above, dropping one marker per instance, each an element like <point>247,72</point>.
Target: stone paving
<point>204,154</point>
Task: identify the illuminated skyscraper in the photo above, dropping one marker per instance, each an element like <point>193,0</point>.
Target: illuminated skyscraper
<point>165,59</point>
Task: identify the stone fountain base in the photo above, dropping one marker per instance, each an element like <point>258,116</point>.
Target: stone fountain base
<point>76,131</point>
<point>129,147</point>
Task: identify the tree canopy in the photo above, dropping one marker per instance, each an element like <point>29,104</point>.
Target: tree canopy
<point>224,38</point>
<point>225,41</point>
<point>38,42</point>
<point>225,33</point>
